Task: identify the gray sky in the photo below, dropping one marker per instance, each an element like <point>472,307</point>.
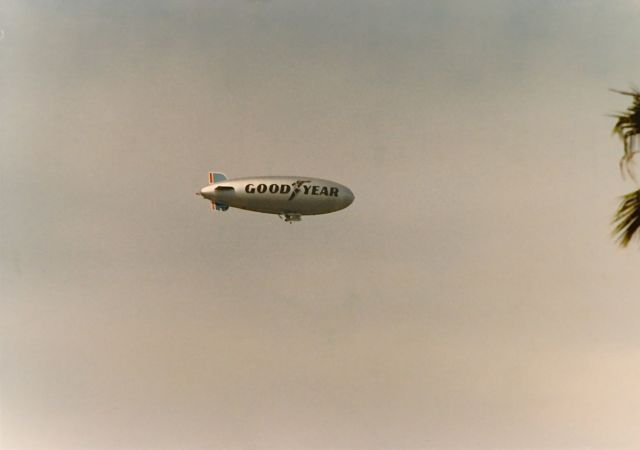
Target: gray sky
<point>471,297</point>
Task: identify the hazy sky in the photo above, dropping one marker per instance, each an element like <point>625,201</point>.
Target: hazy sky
<point>471,297</point>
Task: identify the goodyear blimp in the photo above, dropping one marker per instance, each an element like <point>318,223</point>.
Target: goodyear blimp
<point>288,197</point>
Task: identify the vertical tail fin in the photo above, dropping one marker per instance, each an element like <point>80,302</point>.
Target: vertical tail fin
<point>216,177</point>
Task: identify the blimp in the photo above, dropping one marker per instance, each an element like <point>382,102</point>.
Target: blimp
<point>289,197</point>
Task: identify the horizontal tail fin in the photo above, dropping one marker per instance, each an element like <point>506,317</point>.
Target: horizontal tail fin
<point>216,177</point>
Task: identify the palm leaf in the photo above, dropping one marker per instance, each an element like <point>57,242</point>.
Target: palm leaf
<point>628,123</point>
<point>627,218</point>
<point>627,127</point>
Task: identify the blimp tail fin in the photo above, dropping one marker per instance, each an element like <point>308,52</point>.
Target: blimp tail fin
<point>216,177</point>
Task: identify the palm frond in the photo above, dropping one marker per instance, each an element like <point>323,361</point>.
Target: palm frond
<point>628,123</point>
<point>627,127</point>
<point>626,220</point>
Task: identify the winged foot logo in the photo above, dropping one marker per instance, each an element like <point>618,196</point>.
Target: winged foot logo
<point>295,188</point>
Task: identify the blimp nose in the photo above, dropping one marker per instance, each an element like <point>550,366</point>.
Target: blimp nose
<point>348,198</point>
